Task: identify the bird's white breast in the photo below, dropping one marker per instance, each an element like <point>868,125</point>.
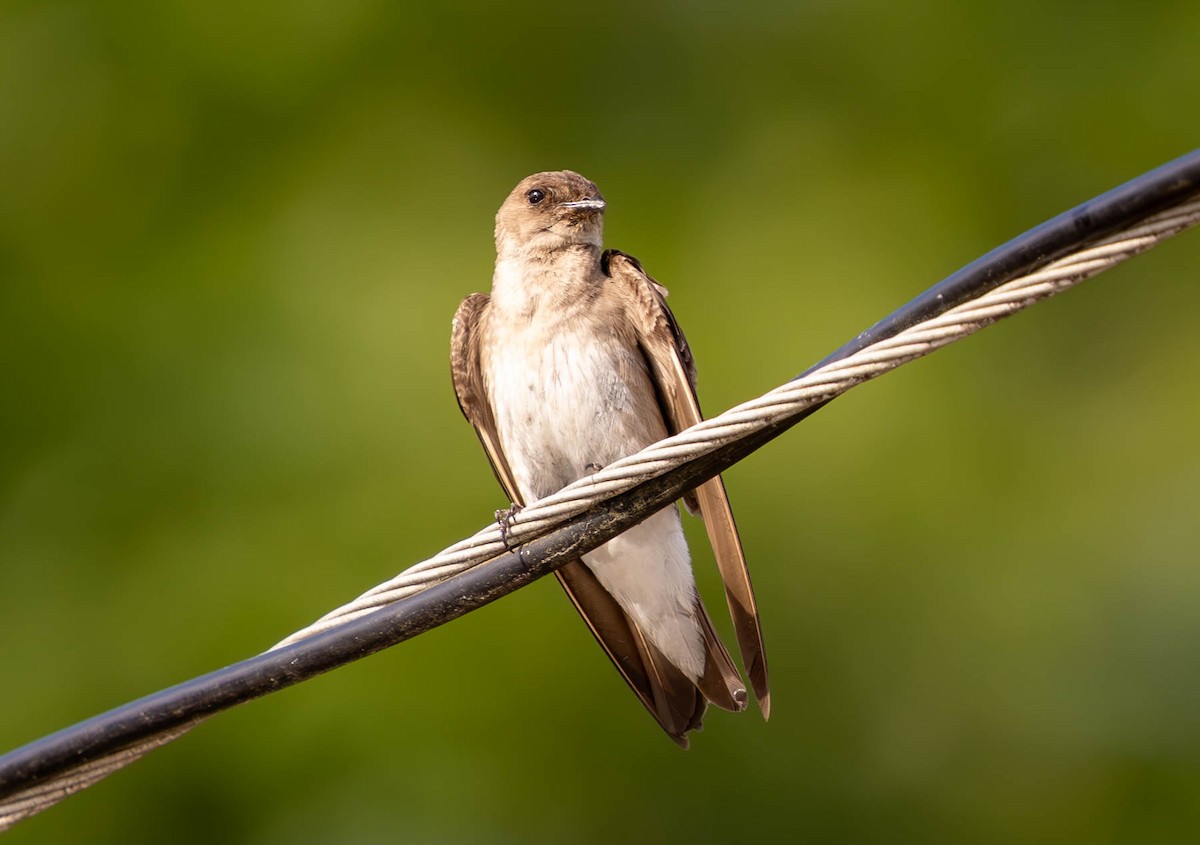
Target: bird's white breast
<point>568,394</point>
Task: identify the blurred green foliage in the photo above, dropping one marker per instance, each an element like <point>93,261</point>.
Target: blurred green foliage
<point>231,239</point>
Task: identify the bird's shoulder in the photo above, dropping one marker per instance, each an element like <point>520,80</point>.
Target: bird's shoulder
<point>646,303</point>
<point>465,333</point>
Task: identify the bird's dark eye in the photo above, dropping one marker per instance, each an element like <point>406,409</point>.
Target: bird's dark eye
<point>535,196</point>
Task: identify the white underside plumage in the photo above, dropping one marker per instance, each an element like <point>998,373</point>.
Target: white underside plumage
<point>566,396</point>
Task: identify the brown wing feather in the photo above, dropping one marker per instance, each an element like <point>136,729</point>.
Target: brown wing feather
<point>674,372</point>
<point>468,387</point>
<point>721,683</point>
<point>665,692</point>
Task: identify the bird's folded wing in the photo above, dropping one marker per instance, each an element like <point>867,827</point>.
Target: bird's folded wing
<point>673,371</point>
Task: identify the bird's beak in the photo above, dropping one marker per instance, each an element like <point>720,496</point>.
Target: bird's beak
<point>585,205</point>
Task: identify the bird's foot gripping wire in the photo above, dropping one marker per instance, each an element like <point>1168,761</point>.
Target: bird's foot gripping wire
<point>504,518</point>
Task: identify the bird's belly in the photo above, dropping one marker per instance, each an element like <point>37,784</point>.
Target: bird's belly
<point>566,402</point>
<point>569,401</point>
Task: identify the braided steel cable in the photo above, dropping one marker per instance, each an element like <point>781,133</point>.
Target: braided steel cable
<point>794,397</point>
<point>549,532</point>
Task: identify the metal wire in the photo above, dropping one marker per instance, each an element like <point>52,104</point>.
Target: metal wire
<point>43,773</point>
<point>47,793</point>
<point>810,390</point>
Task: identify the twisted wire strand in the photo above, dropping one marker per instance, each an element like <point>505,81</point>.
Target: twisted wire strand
<point>788,399</point>
<point>741,422</point>
<point>31,801</point>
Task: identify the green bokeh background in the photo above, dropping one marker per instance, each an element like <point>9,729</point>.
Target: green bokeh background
<point>232,236</point>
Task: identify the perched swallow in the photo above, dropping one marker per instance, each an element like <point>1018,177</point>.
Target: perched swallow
<point>573,362</point>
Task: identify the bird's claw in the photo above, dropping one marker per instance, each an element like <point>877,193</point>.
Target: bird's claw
<point>504,518</point>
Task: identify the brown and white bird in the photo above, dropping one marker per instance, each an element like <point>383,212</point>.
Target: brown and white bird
<point>573,362</point>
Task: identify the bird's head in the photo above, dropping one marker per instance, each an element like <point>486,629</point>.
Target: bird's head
<point>548,212</point>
